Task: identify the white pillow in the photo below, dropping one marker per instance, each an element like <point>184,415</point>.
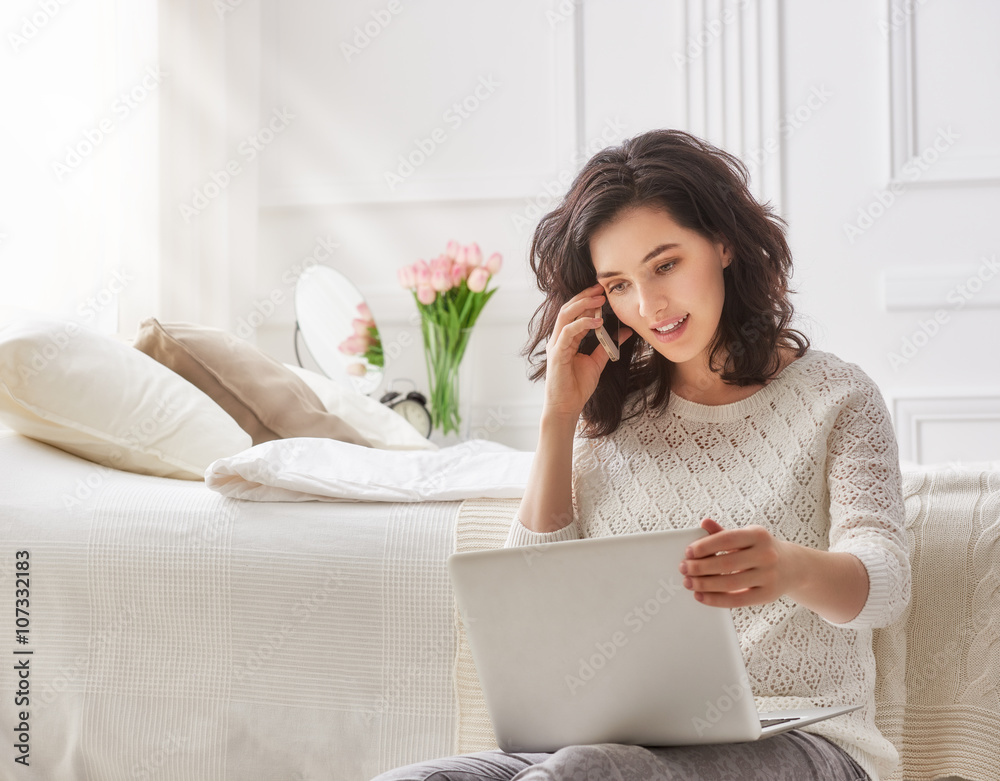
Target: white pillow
<point>381,426</point>
<point>98,398</point>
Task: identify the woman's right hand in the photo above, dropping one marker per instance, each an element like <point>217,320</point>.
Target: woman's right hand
<point>570,376</point>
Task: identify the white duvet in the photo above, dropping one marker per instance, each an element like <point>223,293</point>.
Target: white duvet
<point>305,469</point>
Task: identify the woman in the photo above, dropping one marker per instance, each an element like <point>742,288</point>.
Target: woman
<point>717,412</point>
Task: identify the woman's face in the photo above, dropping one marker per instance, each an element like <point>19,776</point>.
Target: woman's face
<point>656,273</point>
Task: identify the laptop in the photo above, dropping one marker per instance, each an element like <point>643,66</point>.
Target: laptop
<point>597,641</point>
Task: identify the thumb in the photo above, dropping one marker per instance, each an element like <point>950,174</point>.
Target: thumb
<point>711,526</point>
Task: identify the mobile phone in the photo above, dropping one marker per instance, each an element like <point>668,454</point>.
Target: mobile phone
<point>606,334</point>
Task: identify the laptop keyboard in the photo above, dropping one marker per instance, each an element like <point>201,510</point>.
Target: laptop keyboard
<point>772,722</point>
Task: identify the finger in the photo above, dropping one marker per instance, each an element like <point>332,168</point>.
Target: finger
<point>586,300</point>
<point>720,565</point>
<point>570,336</point>
<point>726,540</point>
<point>750,596</point>
<point>572,311</point>
<point>724,583</point>
<point>712,527</point>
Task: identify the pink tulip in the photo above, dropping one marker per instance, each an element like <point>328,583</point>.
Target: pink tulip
<point>407,277</point>
<point>426,294</point>
<point>462,256</point>
<point>457,275</point>
<point>440,280</point>
<point>354,345</point>
<point>364,312</point>
<point>452,251</point>
<point>475,255</point>
<point>357,370</point>
<point>441,263</point>
<point>422,272</point>
<point>478,279</point>
<point>494,263</point>
<point>361,326</point>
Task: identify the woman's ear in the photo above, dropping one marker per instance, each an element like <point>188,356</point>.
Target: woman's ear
<point>727,255</point>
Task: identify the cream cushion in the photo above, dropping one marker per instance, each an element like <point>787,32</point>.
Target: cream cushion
<point>91,395</point>
<point>384,428</point>
<point>266,399</point>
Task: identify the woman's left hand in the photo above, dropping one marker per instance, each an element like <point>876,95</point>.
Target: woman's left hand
<point>737,567</point>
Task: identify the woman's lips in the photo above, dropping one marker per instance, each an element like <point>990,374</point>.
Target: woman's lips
<point>675,334</point>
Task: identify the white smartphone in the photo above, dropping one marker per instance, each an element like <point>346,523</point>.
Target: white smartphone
<point>606,333</point>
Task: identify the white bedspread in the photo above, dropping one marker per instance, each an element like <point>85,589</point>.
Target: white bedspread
<point>311,469</point>
<point>180,634</point>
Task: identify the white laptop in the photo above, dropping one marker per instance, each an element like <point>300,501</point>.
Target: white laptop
<point>597,641</point>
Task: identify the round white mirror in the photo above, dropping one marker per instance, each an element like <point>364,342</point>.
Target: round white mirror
<point>338,329</point>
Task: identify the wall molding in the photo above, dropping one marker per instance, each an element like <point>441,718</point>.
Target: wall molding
<point>937,287</point>
<point>481,182</point>
<point>733,95</point>
<point>904,143</point>
<point>913,411</point>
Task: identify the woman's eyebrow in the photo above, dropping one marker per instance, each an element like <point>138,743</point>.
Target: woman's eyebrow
<point>652,254</point>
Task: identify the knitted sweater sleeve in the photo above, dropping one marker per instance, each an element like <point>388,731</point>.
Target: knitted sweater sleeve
<point>867,514</point>
<point>520,535</point>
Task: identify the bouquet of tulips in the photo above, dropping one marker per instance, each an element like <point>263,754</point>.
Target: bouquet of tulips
<point>450,292</point>
<point>364,342</point>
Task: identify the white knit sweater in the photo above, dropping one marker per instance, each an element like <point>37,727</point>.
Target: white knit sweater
<point>812,456</point>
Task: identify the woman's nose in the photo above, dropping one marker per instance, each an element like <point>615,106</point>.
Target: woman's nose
<point>651,302</point>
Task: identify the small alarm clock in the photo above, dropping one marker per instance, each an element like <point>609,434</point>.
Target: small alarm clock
<point>413,408</point>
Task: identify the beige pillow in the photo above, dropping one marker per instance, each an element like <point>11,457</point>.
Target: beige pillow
<point>95,397</point>
<point>384,428</point>
<point>266,399</point>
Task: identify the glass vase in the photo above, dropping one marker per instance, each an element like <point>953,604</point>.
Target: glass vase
<point>449,377</point>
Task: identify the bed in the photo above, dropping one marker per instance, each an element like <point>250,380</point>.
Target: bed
<point>173,632</point>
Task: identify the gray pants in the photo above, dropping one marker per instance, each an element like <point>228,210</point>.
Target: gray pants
<point>793,755</point>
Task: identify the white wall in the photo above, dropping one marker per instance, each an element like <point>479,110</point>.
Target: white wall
<point>828,104</point>
<point>836,107</point>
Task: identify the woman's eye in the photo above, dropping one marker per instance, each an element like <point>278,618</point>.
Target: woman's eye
<point>668,266</point>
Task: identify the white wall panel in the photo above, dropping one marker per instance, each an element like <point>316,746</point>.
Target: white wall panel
<point>432,101</point>
<point>945,72</point>
<point>833,106</point>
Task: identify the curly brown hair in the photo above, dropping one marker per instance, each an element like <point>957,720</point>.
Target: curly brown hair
<point>703,189</point>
